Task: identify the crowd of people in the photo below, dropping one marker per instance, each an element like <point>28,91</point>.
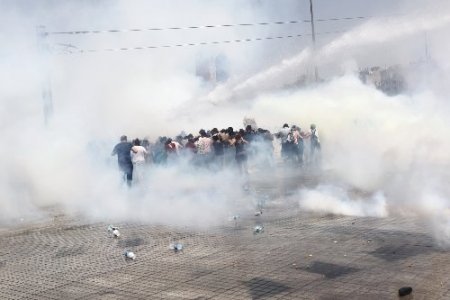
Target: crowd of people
<point>215,149</point>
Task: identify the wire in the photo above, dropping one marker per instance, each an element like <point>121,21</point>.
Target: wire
<point>81,51</point>
<point>199,27</point>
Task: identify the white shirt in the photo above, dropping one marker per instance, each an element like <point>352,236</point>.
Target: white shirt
<point>284,134</point>
<point>315,134</point>
<point>204,145</point>
<point>139,156</point>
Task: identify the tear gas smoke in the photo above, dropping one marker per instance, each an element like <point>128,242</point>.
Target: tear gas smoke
<point>394,149</point>
<point>332,199</point>
<point>344,47</point>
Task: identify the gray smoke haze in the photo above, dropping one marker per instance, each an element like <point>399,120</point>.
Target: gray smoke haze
<point>394,150</point>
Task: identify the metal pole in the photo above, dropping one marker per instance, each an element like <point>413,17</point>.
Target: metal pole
<point>313,35</point>
<point>46,86</point>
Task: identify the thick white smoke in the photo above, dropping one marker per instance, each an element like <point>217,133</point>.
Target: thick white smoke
<point>99,96</point>
<point>371,34</point>
<point>392,150</point>
<point>332,199</point>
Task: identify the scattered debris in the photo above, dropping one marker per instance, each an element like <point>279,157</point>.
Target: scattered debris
<point>113,231</point>
<point>310,255</point>
<point>404,291</point>
<point>258,213</point>
<point>129,255</point>
<point>258,229</point>
<point>234,218</point>
<point>335,242</point>
<point>176,247</point>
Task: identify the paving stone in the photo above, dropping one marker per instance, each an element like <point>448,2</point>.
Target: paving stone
<point>295,258</point>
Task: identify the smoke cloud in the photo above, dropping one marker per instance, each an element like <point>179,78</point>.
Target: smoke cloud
<point>392,150</point>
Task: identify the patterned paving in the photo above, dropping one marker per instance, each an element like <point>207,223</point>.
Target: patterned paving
<point>298,256</point>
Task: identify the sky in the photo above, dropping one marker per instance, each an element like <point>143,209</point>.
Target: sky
<point>71,74</point>
<point>394,148</point>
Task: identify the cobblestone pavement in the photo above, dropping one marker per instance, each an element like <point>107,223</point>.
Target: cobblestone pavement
<point>298,256</point>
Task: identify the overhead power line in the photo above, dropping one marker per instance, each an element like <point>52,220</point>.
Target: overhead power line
<point>200,27</point>
<point>75,50</point>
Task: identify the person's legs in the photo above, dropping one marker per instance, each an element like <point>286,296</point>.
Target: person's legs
<point>123,172</point>
<point>139,170</point>
<point>312,152</point>
<point>129,178</point>
<point>300,151</point>
<point>295,153</point>
<point>283,151</point>
<point>129,173</point>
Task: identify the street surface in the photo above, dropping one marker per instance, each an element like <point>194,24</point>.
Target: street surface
<point>299,255</point>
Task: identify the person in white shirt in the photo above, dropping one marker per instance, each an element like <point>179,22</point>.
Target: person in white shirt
<point>138,155</point>
<point>283,135</point>
<point>204,149</point>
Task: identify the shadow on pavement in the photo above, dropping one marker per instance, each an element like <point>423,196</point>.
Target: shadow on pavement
<point>328,270</point>
<point>261,288</point>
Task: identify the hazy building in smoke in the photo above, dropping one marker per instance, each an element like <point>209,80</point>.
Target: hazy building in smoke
<point>390,80</point>
<point>212,69</point>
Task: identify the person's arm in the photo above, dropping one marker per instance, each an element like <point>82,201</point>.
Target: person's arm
<point>114,152</point>
<point>307,135</point>
<point>133,149</point>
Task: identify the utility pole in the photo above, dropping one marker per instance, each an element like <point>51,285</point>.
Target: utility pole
<point>313,35</point>
<point>46,86</point>
<point>427,54</point>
